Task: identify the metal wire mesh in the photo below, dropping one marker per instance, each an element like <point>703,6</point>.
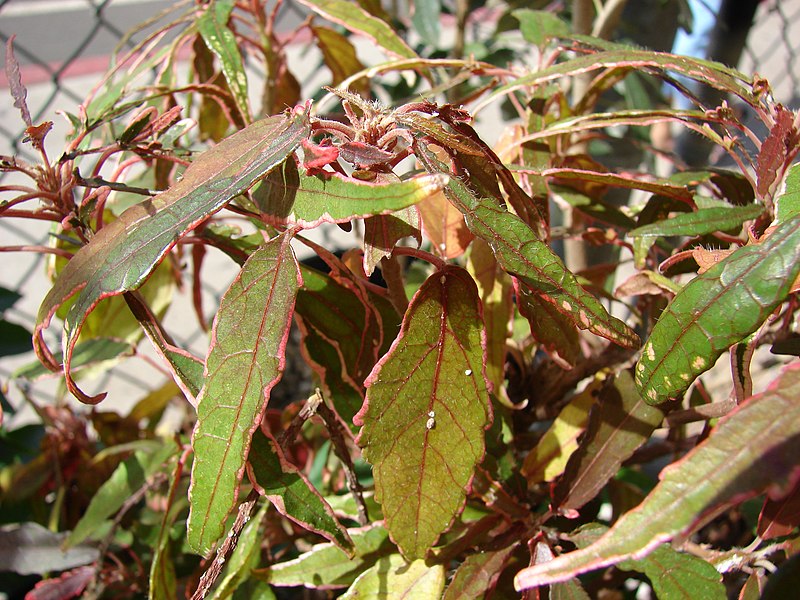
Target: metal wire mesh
<point>63,46</point>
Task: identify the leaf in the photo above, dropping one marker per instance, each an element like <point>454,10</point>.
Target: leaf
<point>537,26</point>
<point>672,574</point>
<point>309,200</point>
<point>30,549</point>
<point>123,253</point>
<point>716,310</point>
<point>553,330</point>
<point>779,517</point>
<point>290,491</point>
<point>381,234</point>
<point>14,339</point>
<point>355,19</point>
<point>212,26</point>
<point>162,567</point>
<point>426,410</point>
<point>618,425</point>
<point>18,91</point>
<point>549,457</point>
<point>719,471</point>
<point>391,577</point>
<point>129,476</point>
<point>426,17</point>
<point>714,74</point>
<point>327,567</point>
<point>245,360</point>
<point>701,222</point>
<point>478,574</point>
<point>775,150</point>
<point>69,584</point>
<point>340,57</point>
<point>788,203</point>
<point>520,253</point>
<point>444,226</point>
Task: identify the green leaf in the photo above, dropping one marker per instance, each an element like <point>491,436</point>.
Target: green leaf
<point>245,360</point>
<point>291,492</point>
<point>391,577</point>
<point>788,203</point>
<point>539,25</point>
<point>717,309</point>
<point>325,566</point>
<point>309,200</point>
<point>426,410</point>
<point>552,329</point>
<point>212,26</point>
<point>673,575</point>
<point>520,253</point>
<point>478,574</point>
<point>355,19</point>
<point>127,478</point>
<point>618,425</point>
<point>162,568</point>
<point>719,471</point>
<point>701,222</point>
<point>14,339</point>
<point>426,17</point>
<point>123,253</point>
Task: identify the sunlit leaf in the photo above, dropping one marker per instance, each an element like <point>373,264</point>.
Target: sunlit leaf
<point>522,254</point>
<point>244,557</point>
<point>788,203</point>
<point>426,410</point>
<point>290,491</point>
<point>212,26</point>
<point>444,226</point>
<point>357,20</point>
<point>392,577</point>
<point>123,253</point>
<point>619,424</point>
<point>716,310</point>
<point>325,566</point>
<point>245,360</point>
<point>701,222</point>
<point>381,234</point>
<point>719,471</point>
<point>309,200</point>
<point>673,574</point>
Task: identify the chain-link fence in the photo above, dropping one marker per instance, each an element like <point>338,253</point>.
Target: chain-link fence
<point>64,45</point>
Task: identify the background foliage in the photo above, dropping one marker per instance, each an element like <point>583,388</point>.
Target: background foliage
<point>486,419</point>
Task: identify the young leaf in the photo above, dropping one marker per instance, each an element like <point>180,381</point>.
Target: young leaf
<point>719,471</point>
<point>123,253</point>
<point>444,226</point>
<point>212,26</point>
<point>325,566</point>
<point>522,254</point>
<point>291,492</point>
<point>619,424</point>
<point>332,198</point>
<point>245,360</point>
<point>392,577</point>
<point>426,410</point>
<point>18,90</point>
<point>355,19</point>
<point>716,310</point>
